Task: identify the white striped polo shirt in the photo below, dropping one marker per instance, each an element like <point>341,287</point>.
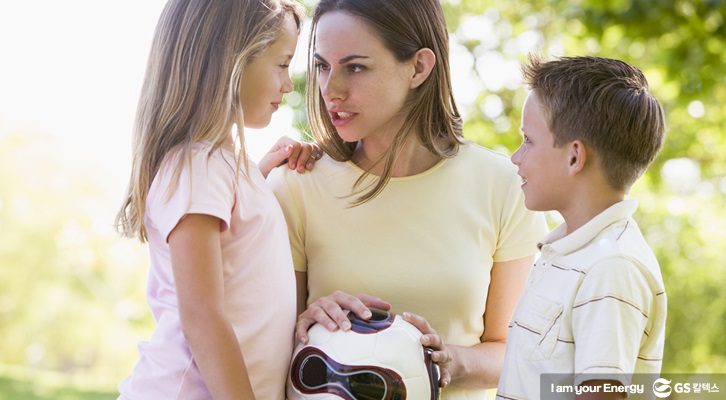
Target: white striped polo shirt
<point>594,304</point>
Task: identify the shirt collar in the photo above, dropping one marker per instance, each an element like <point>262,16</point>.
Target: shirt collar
<point>557,242</point>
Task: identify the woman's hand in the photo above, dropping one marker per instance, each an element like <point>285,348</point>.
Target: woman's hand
<point>441,355</point>
<point>332,312</point>
<point>298,155</point>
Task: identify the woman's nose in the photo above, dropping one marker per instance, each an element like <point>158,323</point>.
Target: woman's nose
<point>332,87</point>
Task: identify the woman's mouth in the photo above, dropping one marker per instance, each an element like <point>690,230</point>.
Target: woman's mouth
<point>341,118</point>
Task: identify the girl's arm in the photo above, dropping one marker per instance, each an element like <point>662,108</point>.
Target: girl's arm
<point>298,155</point>
<point>196,258</point>
<point>479,366</point>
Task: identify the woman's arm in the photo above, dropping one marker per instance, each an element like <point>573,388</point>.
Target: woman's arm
<point>301,280</point>
<point>196,258</point>
<point>479,366</point>
<point>330,311</point>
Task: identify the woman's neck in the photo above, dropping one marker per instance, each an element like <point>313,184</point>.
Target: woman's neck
<point>413,158</point>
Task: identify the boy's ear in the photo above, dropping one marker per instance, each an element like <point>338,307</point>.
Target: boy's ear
<point>576,156</point>
<point>423,63</point>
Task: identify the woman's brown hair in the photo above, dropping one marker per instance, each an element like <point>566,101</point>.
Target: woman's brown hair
<point>405,27</point>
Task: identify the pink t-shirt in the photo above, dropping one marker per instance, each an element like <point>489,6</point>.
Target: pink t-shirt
<point>259,282</point>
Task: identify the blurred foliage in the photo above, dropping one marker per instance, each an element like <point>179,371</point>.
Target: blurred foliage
<point>15,386</point>
<point>71,291</point>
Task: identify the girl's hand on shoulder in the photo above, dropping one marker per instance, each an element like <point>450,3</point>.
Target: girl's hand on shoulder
<point>441,355</point>
<point>300,156</point>
<point>332,312</point>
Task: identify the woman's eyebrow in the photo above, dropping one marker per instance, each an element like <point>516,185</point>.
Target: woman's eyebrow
<point>342,60</point>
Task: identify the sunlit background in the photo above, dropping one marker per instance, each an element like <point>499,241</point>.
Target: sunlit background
<point>71,290</point>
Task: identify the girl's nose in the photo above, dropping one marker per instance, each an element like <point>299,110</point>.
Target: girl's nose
<point>287,85</point>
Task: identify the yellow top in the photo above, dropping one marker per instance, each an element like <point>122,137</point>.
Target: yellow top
<point>425,244</point>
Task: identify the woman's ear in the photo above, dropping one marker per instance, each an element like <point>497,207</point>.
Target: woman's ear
<point>577,156</point>
<point>423,63</point>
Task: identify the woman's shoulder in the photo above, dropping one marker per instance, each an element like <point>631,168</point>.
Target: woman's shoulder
<point>325,169</point>
<point>480,158</point>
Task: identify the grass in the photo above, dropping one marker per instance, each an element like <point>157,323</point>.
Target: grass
<point>47,386</point>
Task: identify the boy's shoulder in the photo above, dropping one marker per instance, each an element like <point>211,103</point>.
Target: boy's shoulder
<point>619,253</point>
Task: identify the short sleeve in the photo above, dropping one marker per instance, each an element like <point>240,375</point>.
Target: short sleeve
<point>519,228</point>
<point>289,197</point>
<point>609,317</point>
<point>206,185</point>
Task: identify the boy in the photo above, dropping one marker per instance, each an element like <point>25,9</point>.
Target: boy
<point>594,307</point>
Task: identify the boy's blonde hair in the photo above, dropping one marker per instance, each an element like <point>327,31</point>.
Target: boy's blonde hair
<point>191,91</point>
<point>404,26</point>
<point>606,104</point>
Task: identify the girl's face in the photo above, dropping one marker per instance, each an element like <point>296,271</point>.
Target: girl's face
<point>266,79</point>
<point>363,85</point>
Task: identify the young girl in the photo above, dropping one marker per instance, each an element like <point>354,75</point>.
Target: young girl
<point>424,221</point>
<point>221,282</point>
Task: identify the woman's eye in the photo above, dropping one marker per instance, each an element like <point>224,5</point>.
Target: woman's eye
<point>322,67</point>
<point>284,66</point>
<point>356,68</point>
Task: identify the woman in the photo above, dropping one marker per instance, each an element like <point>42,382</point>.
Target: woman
<point>403,211</point>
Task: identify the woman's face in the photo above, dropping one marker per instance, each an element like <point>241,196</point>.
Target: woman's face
<point>363,85</point>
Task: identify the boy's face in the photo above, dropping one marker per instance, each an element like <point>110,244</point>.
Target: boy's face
<point>542,166</point>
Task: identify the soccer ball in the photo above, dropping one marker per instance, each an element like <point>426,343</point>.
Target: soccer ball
<point>377,359</point>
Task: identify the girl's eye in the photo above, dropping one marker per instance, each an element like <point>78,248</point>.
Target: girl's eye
<point>526,140</point>
<point>284,66</point>
<point>322,67</point>
<point>356,68</point>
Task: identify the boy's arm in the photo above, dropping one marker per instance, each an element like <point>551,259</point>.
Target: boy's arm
<point>196,258</point>
<point>609,319</point>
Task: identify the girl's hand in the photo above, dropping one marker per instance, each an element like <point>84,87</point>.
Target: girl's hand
<point>441,356</point>
<point>298,155</point>
<point>332,312</point>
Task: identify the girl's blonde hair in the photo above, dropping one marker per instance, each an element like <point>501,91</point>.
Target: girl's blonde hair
<point>191,91</point>
<point>405,26</point>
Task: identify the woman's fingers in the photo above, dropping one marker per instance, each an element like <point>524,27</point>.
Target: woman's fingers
<point>419,322</point>
<point>429,338</point>
<point>331,312</point>
<point>373,302</point>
